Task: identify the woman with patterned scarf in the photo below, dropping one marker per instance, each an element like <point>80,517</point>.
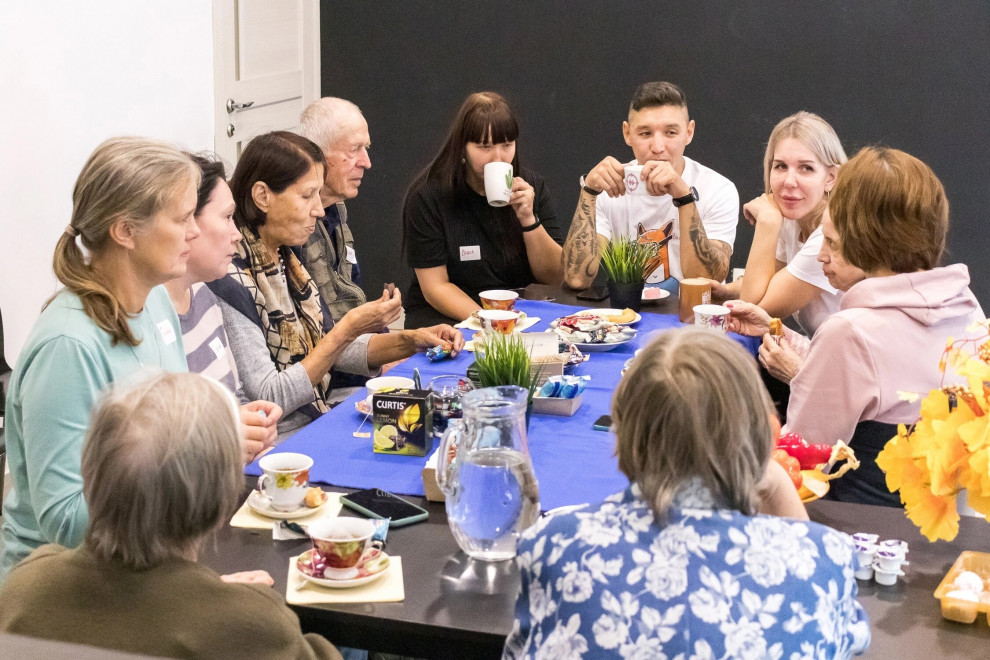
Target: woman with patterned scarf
<point>285,344</point>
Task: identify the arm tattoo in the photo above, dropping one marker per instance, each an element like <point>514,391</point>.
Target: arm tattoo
<point>713,255</point>
<point>581,247</point>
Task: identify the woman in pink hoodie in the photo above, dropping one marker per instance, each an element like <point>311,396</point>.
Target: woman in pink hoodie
<point>884,234</point>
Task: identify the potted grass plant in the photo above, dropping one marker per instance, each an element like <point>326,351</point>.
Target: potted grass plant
<point>504,360</point>
<point>625,261</point>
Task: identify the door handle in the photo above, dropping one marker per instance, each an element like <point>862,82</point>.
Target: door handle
<point>230,130</point>
<point>234,107</point>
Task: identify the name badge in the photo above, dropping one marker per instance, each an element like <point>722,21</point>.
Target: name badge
<point>470,253</point>
<point>351,255</point>
<point>218,348</point>
<point>167,332</point>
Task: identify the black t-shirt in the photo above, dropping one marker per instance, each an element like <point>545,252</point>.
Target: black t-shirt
<point>442,226</point>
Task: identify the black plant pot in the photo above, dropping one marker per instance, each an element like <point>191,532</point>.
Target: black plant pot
<point>625,294</point>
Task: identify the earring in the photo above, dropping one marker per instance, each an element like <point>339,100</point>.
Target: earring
<point>828,193</point>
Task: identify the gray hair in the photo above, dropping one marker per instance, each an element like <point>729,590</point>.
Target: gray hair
<point>813,132</point>
<point>693,405</point>
<point>161,467</point>
<point>322,120</point>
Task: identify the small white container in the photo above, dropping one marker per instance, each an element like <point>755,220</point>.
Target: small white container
<point>885,577</point>
<point>889,560</point>
<point>864,573</point>
<point>865,553</point>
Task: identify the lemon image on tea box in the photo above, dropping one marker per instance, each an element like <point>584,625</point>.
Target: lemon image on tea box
<point>403,422</point>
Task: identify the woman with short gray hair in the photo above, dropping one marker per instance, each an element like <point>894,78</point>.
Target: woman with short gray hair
<point>681,562</point>
<point>161,472</point>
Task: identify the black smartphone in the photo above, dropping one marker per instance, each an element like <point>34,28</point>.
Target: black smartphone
<point>377,503</point>
<point>593,293</point>
<point>603,423</point>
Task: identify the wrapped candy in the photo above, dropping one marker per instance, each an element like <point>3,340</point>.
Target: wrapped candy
<point>562,387</point>
<point>439,352</point>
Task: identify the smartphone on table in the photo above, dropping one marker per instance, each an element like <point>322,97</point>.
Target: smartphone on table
<point>377,503</point>
<point>603,423</point>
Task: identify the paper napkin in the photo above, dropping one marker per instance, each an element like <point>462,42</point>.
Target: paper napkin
<point>247,518</point>
<point>389,588</point>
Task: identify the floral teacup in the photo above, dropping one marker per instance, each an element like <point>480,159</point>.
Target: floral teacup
<point>285,479</point>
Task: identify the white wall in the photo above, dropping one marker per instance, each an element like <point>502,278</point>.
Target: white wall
<point>72,74</point>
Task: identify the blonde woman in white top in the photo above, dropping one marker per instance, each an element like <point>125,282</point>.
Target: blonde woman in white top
<point>783,275</point>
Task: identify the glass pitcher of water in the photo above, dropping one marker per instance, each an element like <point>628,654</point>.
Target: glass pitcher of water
<point>486,474</point>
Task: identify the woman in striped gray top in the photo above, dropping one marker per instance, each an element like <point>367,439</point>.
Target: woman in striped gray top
<point>206,345</point>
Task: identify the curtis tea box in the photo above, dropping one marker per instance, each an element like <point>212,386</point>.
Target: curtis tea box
<point>403,421</point>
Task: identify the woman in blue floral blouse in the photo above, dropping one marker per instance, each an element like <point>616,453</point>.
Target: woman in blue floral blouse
<point>680,564</point>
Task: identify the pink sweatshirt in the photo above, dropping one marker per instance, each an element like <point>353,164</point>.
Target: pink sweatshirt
<point>887,336</point>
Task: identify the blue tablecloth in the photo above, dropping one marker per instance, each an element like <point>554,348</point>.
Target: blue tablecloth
<point>573,463</point>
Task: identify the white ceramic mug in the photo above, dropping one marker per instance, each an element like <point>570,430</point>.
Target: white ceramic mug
<point>285,479</point>
<point>498,183</point>
<point>714,317</point>
<point>634,180</point>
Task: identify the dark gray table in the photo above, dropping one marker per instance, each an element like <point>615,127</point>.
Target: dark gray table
<point>459,608</point>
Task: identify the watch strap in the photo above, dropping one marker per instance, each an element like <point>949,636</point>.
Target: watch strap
<point>690,198</point>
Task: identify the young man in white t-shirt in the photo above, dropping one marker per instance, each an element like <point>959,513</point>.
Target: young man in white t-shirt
<point>689,215</point>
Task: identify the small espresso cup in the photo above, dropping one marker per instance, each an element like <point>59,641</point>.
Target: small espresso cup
<point>498,183</point>
<point>714,317</point>
<point>693,291</point>
<point>498,299</point>
<point>498,320</point>
<point>285,479</point>
<point>634,180</point>
<point>341,542</point>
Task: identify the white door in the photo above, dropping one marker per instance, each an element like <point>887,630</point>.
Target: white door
<point>267,68</point>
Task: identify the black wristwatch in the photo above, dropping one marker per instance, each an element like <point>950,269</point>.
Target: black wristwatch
<point>690,198</point>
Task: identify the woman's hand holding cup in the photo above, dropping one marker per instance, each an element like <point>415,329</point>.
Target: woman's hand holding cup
<point>521,200</point>
<point>747,319</point>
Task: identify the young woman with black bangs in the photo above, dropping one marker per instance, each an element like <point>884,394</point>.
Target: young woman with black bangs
<point>457,244</point>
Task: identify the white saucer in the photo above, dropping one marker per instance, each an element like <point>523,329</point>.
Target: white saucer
<point>260,508</point>
<point>609,312</point>
<point>342,584</point>
<point>663,294</point>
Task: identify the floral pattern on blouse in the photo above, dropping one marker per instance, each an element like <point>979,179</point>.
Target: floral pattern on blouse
<point>605,581</point>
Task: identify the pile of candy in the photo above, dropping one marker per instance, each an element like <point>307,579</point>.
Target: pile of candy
<point>589,329</point>
<point>563,387</point>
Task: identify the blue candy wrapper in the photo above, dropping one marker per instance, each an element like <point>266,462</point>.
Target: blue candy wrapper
<point>562,387</point>
<point>438,352</point>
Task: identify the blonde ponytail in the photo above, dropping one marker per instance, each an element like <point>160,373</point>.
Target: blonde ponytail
<point>125,177</point>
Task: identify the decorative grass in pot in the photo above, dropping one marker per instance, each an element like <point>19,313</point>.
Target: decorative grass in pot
<point>624,261</point>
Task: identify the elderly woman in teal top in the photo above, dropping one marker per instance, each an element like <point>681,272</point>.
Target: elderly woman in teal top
<point>133,207</point>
